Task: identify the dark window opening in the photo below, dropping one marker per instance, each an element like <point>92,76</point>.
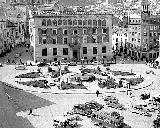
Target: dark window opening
<point>75,32</point>
<point>54,23</point>
<point>104,49</point>
<point>49,22</point>
<point>84,50</point>
<point>54,51</point>
<point>59,22</point>
<point>44,52</point>
<point>65,51</point>
<point>94,50</point>
<point>43,22</point>
<point>79,22</point>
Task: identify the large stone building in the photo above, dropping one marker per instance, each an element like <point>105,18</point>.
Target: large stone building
<point>70,35</point>
<point>144,33</point>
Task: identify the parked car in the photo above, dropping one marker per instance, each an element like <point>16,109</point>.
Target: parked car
<point>20,67</point>
<point>42,64</point>
<point>54,64</point>
<point>95,63</point>
<point>72,64</point>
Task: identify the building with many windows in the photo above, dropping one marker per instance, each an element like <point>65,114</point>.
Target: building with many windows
<point>144,31</point>
<point>70,35</point>
<point>119,39</point>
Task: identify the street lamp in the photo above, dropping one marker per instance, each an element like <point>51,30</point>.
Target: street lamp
<point>60,73</point>
<point>82,61</point>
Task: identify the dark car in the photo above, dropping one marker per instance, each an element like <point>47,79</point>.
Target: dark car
<point>42,64</point>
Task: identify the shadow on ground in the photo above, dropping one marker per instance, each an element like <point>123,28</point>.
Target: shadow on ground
<point>22,100</point>
<point>25,122</point>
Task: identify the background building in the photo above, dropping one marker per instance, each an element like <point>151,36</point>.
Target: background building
<point>70,35</point>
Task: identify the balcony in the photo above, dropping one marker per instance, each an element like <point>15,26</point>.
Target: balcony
<point>75,45</point>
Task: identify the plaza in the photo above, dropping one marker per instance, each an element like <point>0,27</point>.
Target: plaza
<point>52,102</point>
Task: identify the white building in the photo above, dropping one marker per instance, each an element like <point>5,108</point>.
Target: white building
<point>119,38</point>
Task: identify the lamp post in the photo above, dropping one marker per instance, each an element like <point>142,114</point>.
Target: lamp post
<point>82,61</point>
<point>60,73</point>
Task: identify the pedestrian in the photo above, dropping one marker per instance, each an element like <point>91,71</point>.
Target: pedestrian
<point>97,93</point>
<point>13,62</point>
<point>30,111</point>
<point>8,61</point>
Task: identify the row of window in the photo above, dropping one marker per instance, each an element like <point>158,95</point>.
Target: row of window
<point>75,32</point>
<point>153,55</point>
<point>154,27</point>
<point>94,50</point>
<point>135,27</point>
<point>65,51</point>
<point>135,21</point>
<point>135,33</point>
<point>75,41</point>
<point>154,33</point>
<point>74,22</point>
<point>117,40</point>
<point>135,39</point>
<point>154,40</point>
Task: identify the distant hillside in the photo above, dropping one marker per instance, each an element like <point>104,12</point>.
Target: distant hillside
<point>78,2</point>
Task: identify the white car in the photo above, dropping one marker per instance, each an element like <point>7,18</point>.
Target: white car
<point>20,67</point>
<point>95,62</point>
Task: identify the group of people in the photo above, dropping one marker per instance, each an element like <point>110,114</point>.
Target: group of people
<point>13,61</point>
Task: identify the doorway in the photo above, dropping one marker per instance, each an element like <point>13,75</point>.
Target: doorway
<point>75,54</point>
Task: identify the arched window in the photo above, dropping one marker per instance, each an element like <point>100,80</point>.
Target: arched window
<point>43,22</point>
<point>54,23</point>
<point>104,23</point>
<point>75,22</point>
<point>69,22</point>
<point>59,22</point>
<point>89,22</point>
<point>79,22</point>
<point>84,22</point>
<point>49,22</point>
<point>64,22</point>
<point>99,23</point>
<point>94,23</point>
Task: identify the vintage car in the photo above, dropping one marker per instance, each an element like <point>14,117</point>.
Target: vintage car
<point>72,64</point>
<point>20,67</point>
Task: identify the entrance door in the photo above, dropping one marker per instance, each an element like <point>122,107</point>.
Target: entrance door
<point>75,54</point>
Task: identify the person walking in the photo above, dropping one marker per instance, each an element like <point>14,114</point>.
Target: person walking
<point>97,93</point>
<point>8,61</point>
<point>30,111</point>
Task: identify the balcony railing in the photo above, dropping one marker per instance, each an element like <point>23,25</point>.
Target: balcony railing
<point>75,45</point>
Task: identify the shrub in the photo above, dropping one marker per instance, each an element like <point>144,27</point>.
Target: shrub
<point>29,75</point>
<point>49,69</point>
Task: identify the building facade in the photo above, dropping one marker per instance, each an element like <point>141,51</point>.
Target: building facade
<point>144,33</point>
<point>119,39</point>
<point>70,35</point>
